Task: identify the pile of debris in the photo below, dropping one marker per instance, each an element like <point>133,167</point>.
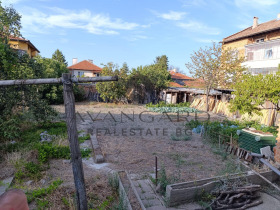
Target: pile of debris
<point>238,198</point>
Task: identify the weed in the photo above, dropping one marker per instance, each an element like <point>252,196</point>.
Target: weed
<point>153,180</point>
<point>42,204</point>
<point>105,204</point>
<point>204,198</point>
<point>19,175</point>
<point>65,201</point>
<point>113,180</point>
<point>82,139</point>
<point>32,170</point>
<point>230,168</point>
<point>85,153</point>
<point>122,205</point>
<point>39,193</point>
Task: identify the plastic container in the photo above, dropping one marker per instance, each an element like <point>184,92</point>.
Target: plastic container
<point>253,140</point>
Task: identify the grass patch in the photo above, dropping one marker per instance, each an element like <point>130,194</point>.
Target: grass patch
<point>82,139</point>
<point>39,193</point>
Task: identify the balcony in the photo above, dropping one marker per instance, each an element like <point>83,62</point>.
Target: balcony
<point>263,54</point>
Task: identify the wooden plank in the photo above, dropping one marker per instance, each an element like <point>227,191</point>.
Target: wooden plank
<point>56,80</point>
<point>77,165</point>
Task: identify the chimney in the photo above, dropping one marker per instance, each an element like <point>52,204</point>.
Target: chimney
<point>74,61</point>
<point>278,16</point>
<point>90,60</point>
<point>255,22</point>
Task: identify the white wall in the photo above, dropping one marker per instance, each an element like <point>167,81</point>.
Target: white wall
<point>86,73</point>
<point>262,63</point>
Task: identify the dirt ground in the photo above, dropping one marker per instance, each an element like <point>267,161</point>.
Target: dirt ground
<point>130,137</point>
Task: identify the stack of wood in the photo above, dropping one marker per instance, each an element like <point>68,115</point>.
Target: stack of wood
<point>239,198</point>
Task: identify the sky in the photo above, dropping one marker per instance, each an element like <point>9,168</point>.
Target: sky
<point>135,31</point>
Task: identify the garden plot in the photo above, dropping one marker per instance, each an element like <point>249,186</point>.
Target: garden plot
<point>40,165</point>
<point>133,144</point>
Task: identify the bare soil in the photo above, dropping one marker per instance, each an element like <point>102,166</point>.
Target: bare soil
<point>130,137</point>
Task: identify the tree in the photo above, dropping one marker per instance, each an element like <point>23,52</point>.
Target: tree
<point>150,78</point>
<point>251,92</point>
<point>51,69</point>
<point>9,22</point>
<point>58,56</point>
<point>113,91</point>
<point>17,100</point>
<point>216,66</point>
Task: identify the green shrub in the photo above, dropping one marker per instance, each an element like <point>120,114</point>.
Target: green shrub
<point>113,181</point>
<point>85,153</point>
<point>193,124</point>
<point>79,93</point>
<point>228,127</point>
<point>48,151</point>
<point>39,193</point>
<point>32,168</point>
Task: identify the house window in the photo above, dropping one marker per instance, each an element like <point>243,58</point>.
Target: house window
<point>80,73</point>
<point>259,40</point>
<point>21,52</point>
<point>97,75</point>
<point>268,53</point>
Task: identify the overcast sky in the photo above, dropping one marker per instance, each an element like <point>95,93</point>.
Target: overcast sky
<point>135,31</point>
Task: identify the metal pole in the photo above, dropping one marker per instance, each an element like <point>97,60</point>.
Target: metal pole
<point>156,171</point>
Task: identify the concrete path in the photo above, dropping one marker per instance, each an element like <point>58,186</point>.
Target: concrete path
<point>152,200</point>
<point>5,184</point>
<point>269,203</point>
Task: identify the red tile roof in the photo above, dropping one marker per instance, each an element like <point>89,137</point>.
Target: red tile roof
<point>85,65</point>
<point>12,38</point>
<point>250,31</point>
<point>176,75</point>
<point>197,83</point>
<point>175,84</point>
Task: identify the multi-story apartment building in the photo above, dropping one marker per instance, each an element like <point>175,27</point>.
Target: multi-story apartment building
<point>260,44</point>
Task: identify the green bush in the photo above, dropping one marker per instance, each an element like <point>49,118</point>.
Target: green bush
<point>32,168</point>
<point>228,127</point>
<point>79,93</point>
<point>48,151</point>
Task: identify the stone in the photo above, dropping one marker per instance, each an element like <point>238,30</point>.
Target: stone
<point>28,183</point>
<point>158,187</point>
<point>42,181</point>
<point>5,184</point>
<point>99,159</point>
<point>266,151</point>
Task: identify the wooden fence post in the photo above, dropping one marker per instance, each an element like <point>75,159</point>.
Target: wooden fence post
<point>77,165</point>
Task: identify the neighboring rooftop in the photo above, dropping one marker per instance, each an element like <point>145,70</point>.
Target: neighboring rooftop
<point>197,83</point>
<point>175,84</point>
<point>85,65</point>
<point>20,39</point>
<point>177,75</point>
<point>255,29</point>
